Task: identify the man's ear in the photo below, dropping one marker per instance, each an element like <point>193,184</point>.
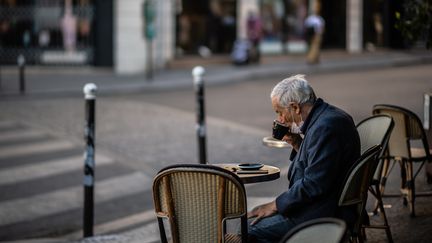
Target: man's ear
<point>295,107</point>
<point>298,111</point>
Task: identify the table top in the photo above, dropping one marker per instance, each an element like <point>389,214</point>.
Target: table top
<point>266,173</point>
<point>274,143</point>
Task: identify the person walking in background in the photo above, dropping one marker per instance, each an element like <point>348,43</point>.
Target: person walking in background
<point>325,145</point>
<point>254,33</point>
<point>69,27</point>
<point>314,25</point>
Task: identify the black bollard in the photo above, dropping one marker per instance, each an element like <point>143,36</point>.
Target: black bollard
<point>89,156</point>
<point>427,125</point>
<point>198,73</point>
<point>21,67</point>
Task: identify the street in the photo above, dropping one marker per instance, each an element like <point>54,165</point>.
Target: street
<point>138,134</point>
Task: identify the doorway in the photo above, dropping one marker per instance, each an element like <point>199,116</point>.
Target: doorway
<point>209,25</point>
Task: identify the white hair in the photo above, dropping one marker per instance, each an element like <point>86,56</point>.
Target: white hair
<point>293,89</point>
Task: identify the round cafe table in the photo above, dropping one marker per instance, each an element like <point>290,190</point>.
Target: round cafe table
<point>266,173</point>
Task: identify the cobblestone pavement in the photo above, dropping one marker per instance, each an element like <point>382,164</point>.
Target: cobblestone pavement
<point>138,138</point>
<point>138,134</point>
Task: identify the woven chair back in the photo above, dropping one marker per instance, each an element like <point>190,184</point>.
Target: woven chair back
<point>375,130</point>
<point>197,199</point>
<point>407,127</point>
<point>359,177</point>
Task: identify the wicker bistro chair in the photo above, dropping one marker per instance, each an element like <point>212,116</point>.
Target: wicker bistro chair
<point>376,130</point>
<point>324,230</point>
<point>197,200</point>
<point>355,188</point>
<point>408,128</point>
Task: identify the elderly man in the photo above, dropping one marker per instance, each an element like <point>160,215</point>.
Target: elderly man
<point>325,143</point>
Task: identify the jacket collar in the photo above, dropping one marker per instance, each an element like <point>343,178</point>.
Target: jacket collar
<point>318,107</point>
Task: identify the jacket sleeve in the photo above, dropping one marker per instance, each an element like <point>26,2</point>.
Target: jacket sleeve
<point>321,169</point>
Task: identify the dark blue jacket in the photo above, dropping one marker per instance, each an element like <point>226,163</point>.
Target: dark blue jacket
<point>331,145</point>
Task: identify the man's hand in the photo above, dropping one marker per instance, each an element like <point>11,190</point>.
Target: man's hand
<point>294,139</point>
<point>262,211</point>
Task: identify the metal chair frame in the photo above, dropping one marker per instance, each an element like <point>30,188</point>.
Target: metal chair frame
<point>355,188</point>
<point>411,130</point>
<point>378,129</point>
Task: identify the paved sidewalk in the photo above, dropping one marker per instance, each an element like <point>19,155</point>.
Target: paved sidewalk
<point>42,80</point>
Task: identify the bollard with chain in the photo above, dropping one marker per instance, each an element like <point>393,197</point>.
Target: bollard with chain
<point>197,74</point>
<point>89,156</point>
<point>21,65</point>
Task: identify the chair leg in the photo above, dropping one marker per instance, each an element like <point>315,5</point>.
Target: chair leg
<point>428,172</point>
<point>411,187</point>
<point>358,231</point>
<point>377,202</point>
<point>384,174</point>
<point>385,171</point>
<point>404,185</point>
<point>384,217</point>
<point>380,205</point>
<point>162,230</point>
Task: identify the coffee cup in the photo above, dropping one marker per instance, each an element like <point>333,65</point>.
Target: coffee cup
<point>279,130</point>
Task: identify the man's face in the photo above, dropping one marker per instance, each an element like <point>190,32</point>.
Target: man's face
<point>287,115</point>
<point>282,113</point>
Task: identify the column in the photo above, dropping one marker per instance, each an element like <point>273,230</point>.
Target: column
<point>354,26</point>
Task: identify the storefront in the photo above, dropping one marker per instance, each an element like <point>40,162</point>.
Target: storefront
<point>283,29</point>
<point>334,12</point>
<point>205,24</point>
<point>65,32</point>
<point>49,31</point>
<point>379,24</point>
<point>216,24</point>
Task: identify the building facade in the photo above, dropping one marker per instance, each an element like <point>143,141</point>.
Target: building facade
<point>115,33</point>
<point>53,32</point>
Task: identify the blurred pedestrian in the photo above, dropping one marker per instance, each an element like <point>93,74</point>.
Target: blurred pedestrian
<point>314,25</point>
<point>240,54</point>
<point>69,27</point>
<point>254,34</point>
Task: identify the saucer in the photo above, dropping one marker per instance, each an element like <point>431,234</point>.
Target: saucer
<point>250,166</point>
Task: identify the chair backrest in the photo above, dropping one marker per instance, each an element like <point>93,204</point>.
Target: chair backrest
<point>375,130</point>
<point>324,230</point>
<point>197,199</point>
<point>357,182</point>
<point>407,127</point>
<point>355,187</point>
